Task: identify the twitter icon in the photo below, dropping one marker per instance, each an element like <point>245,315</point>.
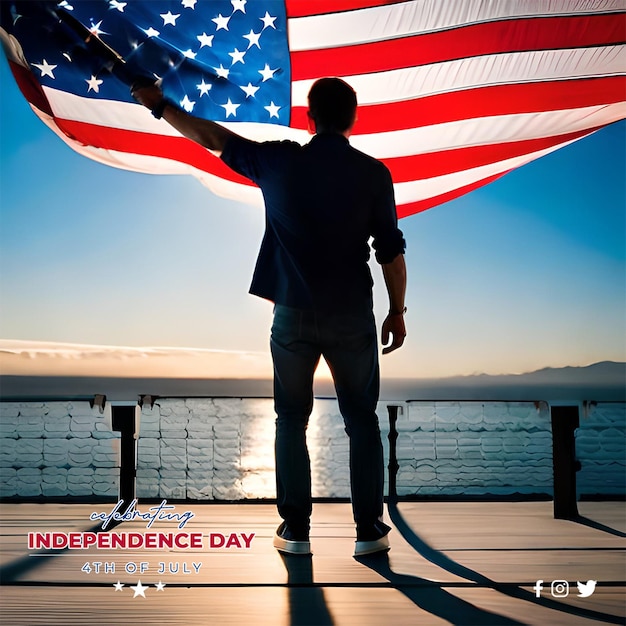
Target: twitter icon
<point>586,589</point>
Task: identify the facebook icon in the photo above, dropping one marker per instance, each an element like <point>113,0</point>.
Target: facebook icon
<point>538,587</point>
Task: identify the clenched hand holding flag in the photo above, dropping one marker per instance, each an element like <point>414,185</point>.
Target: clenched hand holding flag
<point>452,95</point>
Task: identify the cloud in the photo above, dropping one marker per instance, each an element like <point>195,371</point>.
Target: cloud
<point>43,358</point>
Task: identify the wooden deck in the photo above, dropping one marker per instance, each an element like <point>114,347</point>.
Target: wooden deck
<point>450,563</point>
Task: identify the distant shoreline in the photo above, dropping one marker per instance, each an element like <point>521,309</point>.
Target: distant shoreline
<point>601,382</point>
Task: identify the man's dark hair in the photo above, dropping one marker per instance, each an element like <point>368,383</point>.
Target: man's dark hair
<point>332,103</point>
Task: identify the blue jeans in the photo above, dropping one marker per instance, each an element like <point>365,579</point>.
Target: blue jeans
<point>350,347</point>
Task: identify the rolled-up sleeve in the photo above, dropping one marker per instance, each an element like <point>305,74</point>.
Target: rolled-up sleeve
<point>388,239</point>
<point>243,156</point>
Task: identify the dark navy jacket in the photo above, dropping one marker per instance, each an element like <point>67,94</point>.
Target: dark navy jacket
<point>323,202</point>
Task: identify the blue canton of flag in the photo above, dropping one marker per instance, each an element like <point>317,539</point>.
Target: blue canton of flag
<point>224,60</point>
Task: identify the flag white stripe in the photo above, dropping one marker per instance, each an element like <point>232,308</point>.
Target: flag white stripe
<point>410,18</point>
<point>131,116</point>
<point>486,131</point>
<point>456,134</point>
<point>497,69</point>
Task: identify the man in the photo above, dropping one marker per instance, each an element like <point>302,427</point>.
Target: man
<point>324,202</point>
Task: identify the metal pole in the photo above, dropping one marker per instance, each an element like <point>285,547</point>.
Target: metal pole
<point>393,459</point>
<point>123,419</point>
<point>565,420</point>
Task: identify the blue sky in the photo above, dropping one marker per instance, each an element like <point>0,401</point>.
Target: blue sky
<point>527,272</point>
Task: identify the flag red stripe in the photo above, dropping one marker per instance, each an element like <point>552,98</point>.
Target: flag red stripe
<point>542,33</point>
<point>404,210</point>
<point>306,8</point>
<point>403,169</point>
<point>431,165</point>
<point>30,88</point>
<point>148,144</point>
<point>482,102</point>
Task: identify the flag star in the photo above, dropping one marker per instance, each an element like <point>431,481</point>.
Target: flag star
<point>189,54</point>
<point>204,88</point>
<point>189,4</point>
<point>95,29</point>
<point>237,56</point>
<point>221,71</point>
<point>221,22</point>
<point>151,32</point>
<point>187,104</point>
<point>94,84</point>
<point>160,586</point>
<point>238,5</point>
<point>118,586</point>
<point>205,40</point>
<point>115,4</point>
<point>45,68</point>
<point>268,20</point>
<point>230,108</point>
<point>139,589</point>
<point>253,38</point>
<point>272,109</point>
<point>267,73</point>
<point>169,18</point>
<point>249,90</point>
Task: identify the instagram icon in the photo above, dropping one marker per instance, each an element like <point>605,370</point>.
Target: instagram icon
<point>559,588</point>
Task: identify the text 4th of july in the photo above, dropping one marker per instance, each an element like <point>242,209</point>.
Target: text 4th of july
<point>141,567</point>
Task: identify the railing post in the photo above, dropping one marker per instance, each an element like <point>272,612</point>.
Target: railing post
<point>565,420</point>
<point>393,459</point>
<point>124,420</point>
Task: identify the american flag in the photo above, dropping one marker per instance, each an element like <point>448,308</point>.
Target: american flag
<point>452,95</point>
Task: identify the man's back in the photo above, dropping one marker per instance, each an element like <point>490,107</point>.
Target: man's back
<point>324,201</point>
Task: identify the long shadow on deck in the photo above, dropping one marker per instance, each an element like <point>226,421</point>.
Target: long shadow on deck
<point>585,521</point>
<point>432,598</point>
<point>307,604</point>
<point>11,572</point>
<point>441,560</point>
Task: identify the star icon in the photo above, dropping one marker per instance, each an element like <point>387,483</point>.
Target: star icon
<point>267,73</point>
<point>203,88</point>
<point>95,29</point>
<point>120,6</point>
<point>160,586</point>
<point>272,109</point>
<point>151,32</point>
<point>118,586</point>
<point>169,18</point>
<point>221,22</point>
<point>253,38</point>
<point>221,71</point>
<point>94,84</point>
<point>205,40</point>
<point>189,4</point>
<point>45,68</point>
<point>237,56</point>
<point>238,5</point>
<point>190,54</point>
<point>139,589</point>
<point>249,90</point>
<point>268,20</point>
<point>230,108</point>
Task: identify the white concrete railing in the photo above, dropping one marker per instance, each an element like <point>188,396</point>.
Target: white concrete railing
<point>222,449</point>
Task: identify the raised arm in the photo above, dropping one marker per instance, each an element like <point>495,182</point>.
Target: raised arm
<point>395,281</point>
<point>204,132</point>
